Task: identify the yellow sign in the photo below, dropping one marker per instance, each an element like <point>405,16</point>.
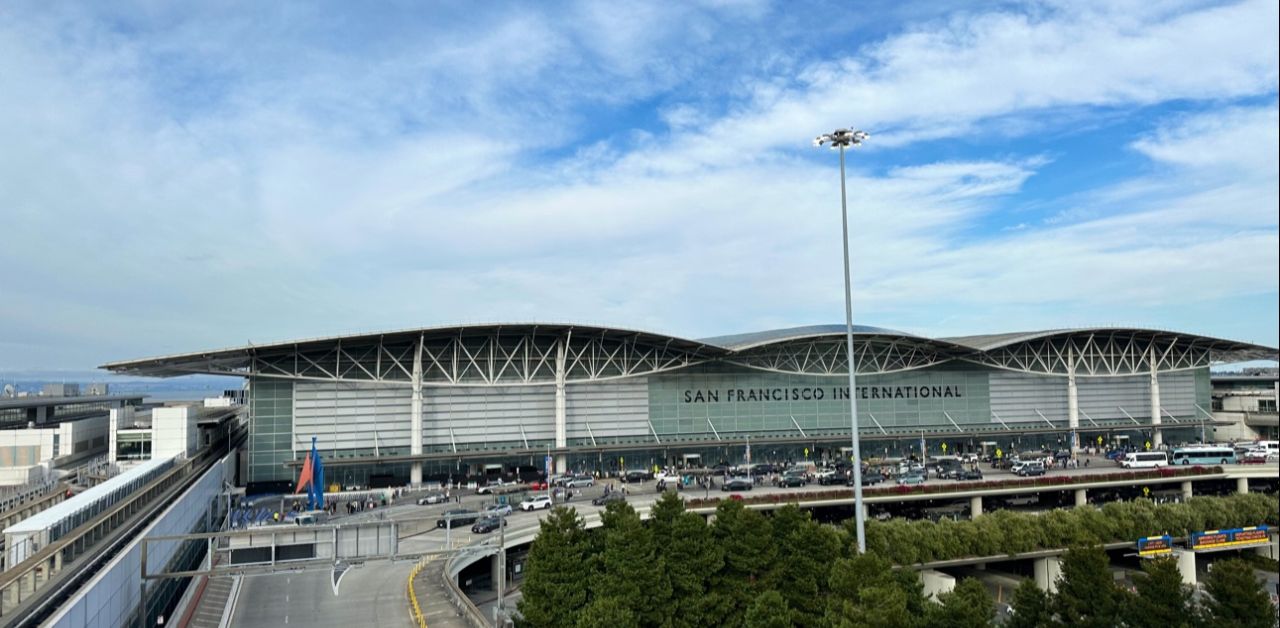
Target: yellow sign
<point>1146,491</point>
<point>1147,445</point>
<point>999,453</point>
<point>1099,441</point>
<point>944,448</point>
<point>806,452</point>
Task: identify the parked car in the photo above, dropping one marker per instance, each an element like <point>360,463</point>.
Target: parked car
<point>534,503</point>
<point>869,478</point>
<point>737,484</point>
<point>494,510</point>
<point>1028,468</point>
<point>432,498</point>
<point>457,518</point>
<point>488,524</point>
<point>1256,456</point>
<point>970,458</point>
<point>580,481</point>
<point>968,475</point>
<point>911,478</point>
<point>829,476</point>
<point>605,500</point>
<point>489,487</point>
<point>636,476</point>
<point>792,480</point>
<point>538,485</point>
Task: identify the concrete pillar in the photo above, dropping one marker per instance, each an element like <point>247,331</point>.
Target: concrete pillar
<point>975,506</point>
<point>1271,549</point>
<point>1186,566</point>
<point>936,583</point>
<point>1242,486</point>
<point>1047,572</point>
<point>415,418</point>
<point>562,430</point>
<point>1073,401</point>
<point>1186,490</point>
<point>1082,497</point>
<point>1157,436</point>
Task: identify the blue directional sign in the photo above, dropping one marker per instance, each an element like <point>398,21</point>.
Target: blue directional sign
<point>1227,539</point>
<point>1155,545</point>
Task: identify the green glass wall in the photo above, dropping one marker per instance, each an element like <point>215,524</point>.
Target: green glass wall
<point>270,429</point>
<point>742,401</point>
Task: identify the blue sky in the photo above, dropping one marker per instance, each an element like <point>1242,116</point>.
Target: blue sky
<point>177,178</point>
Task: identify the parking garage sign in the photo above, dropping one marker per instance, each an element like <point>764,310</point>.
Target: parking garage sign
<point>1229,539</point>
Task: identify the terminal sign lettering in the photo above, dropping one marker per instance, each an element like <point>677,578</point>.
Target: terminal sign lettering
<point>1155,545</point>
<point>818,393</point>
<point>1236,537</point>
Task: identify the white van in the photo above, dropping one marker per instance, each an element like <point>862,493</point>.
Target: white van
<point>1145,460</point>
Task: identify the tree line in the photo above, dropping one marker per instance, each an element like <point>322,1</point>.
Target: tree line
<point>745,569</point>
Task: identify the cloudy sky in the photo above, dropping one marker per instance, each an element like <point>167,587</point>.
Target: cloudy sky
<point>176,178</point>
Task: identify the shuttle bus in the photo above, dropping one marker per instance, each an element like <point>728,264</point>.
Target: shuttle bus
<point>1144,460</point>
<point>1204,455</point>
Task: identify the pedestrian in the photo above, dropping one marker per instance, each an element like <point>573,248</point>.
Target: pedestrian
<point>1086,463</point>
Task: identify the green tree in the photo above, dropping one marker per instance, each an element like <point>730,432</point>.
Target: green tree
<point>631,572</point>
<point>746,538</point>
<point>607,611</point>
<point>1163,601</point>
<point>803,562</point>
<point>1030,607</point>
<point>1087,594</point>
<point>968,605</point>
<point>556,583</point>
<point>664,513</point>
<point>769,610</point>
<point>1236,597</point>
<point>865,591</point>
<point>691,557</point>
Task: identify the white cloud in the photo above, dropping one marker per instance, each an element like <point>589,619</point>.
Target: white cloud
<point>296,188</point>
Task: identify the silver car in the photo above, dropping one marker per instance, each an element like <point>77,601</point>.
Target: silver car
<point>432,498</point>
<point>581,481</point>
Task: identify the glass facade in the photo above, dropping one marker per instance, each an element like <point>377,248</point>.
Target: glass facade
<point>737,402</point>
<point>271,431</point>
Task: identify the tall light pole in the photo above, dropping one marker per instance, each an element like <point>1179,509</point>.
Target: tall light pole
<point>842,139</point>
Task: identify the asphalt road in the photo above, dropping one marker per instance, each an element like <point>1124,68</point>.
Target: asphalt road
<point>372,595</point>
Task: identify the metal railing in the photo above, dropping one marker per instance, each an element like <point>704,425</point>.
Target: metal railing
<point>27,580</point>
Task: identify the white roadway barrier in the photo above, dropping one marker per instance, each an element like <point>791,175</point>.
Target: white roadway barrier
<point>112,596</point>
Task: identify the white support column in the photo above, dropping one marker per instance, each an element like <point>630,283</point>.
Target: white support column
<point>1047,570</point>
<point>1187,490</point>
<point>415,418</point>
<point>1157,437</point>
<point>975,506</point>
<point>1073,401</point>
<point>1082,497</point>
<point>936,583</point>
<point>1186,566</point>
<point>562,431</point>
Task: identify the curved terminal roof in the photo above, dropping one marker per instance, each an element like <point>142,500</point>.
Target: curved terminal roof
<point>1113,351</point>
<point>738,342</point>
<point>1242,351</point>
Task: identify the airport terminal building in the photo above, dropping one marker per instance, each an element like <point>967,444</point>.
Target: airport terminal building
<point>428,403</point>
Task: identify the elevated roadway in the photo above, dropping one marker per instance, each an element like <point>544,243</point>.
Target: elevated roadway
<point>444,604</point>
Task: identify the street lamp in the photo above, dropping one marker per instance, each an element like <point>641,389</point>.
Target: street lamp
<point>842,139</point>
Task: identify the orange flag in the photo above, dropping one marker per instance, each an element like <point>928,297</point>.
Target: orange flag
<point>305,478</point>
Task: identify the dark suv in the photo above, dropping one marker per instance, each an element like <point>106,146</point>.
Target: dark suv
<point>488,524</point>
<point>792,480</point>
<point>457,518</point>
